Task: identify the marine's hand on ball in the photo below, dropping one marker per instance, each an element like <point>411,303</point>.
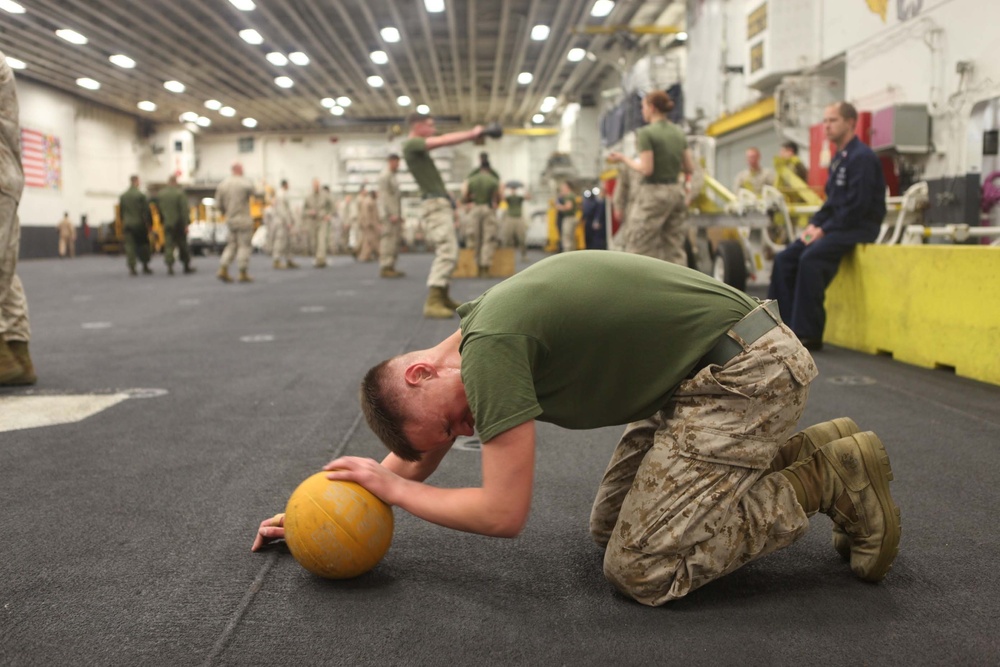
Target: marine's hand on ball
<point>369,473</point>
<point>270,530</point>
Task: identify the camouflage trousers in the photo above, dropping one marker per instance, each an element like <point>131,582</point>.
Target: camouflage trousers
<point>281,248</point>
<point>13,304</point>
<point>136,245</point>
<point>684,499</point>
<point>438,219</point>
<point>567,233</point>
<point>238,246</point>
<point>388,243</point>
<point>482,234</point>
<point>515,234</point>
<point>321,239</point>
<point>656,217</point>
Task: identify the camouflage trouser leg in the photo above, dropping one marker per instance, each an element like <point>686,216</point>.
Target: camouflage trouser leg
<point>567,233</point>
<point>13,305</point>
<point>169,242</point>
<point>181,241</point>
<point>656,223</point>
<point>136,245</point>
<point>238,246</point>
<point>388,245</point>
<point>439,228</point>
<point>322,240</point>
<point>484,221</point>
<point>280,248</point>
<point>684,501</point>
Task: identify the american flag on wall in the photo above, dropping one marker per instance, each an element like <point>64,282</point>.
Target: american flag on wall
<point>41,157</point>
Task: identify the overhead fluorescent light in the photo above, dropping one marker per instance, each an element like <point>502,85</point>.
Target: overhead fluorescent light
<point>524,78</point>
<point>71,36</point>
<point>228,112</point>
<point>277,58</point>
<point>11,7</point>
<point>243,5</point>
<point>344,101</point>
<point>214,105</point>
<point>337,111</point>
<point>328,102</point>
<point>208,201</point>
<point>540,32</point>
<point>576,55</point>
<point>434,6</point>
<point>538,119</point>
<point>298,58</point>
<point>14,63</point>
<point>389,34</point>
<point>681,36</point>
<point>189,117</point>
<point>251,36</point>
<point>283,82</point>
<point>146,105</point>
<point>548,104</point>
<point>423,108</point>
<point>88,83</point>
<point>203,121</point>
<point>174,86</point>
<point>375,81</point>
<point>249,122</point>
<point>602,8</point>
<point>379,57</point>
<point>122,61</point>
<point>403,100</point>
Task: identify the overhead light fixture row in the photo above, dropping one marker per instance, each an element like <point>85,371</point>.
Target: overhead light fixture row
<point>389,34</point>
<point>524,78</point>
<point>174,86</point>
<point>243,5</point>
<point>14,63</point>
<point>71,36</point>
<point>344,101</point>
<point>283,82</point>
<point>228,112</point>
<point>249,122</point>
<point>251,36</point>
<point>540,32</point>
<point>11,7</point>
<point>403,100</point>
<point>328,102</point>
<point>214,105</point>
<point>337,111</point>
<point>146,105</point>
<point>122,61</point>
<point>423,108</point>
<point>379,57</point>
<point>434,6</point>
<point>602,8</point>
<point>277,58</point>
<point>375,81</point>
<point>298,58</point>
<point>575,55</point>
<point>88,83</point>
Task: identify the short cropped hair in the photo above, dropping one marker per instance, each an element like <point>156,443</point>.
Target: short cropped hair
<point>417,117</point>
<point>847,111</point>
<point>384,412</point>
<point>393,156</point>
<point>791,146</point>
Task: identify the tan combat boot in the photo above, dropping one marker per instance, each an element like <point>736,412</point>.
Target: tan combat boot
<point>244,277</point>
<point>848,479</point>
<point>10,367</point>
<point>804,444</point>
<point>277,264</point>
<point>390,272</point>
<point>449,302</point>
<point>19,349</point>
<point>223,275</point>
<point>289,264</point>
<point>435,307</point>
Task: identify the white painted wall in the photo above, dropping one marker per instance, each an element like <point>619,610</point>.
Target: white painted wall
<point>100,150</point>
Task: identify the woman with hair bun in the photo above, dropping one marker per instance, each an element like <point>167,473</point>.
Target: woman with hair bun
<point>656,214</point>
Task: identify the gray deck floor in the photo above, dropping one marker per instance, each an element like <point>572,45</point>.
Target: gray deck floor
<point>128,533</point>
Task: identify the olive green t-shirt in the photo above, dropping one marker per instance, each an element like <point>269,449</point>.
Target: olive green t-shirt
<point>134,208</point>
<point>667,142</point>
<point>514,204</point>
<point>421,165</point>
<point>482,187</point>
<point>589,339</point>
<point>173,206</point>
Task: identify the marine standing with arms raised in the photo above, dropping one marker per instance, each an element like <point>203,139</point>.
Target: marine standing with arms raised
<point>133,207</point>
<point>658,208</point>
<point>16,367</point>
<point>172,203</point>
<point>391,213</point>
<point>232,198</point>
<point>436,211</point>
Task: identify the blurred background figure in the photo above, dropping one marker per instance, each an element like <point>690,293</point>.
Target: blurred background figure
<point>594,227</point>
<point>67,237</point>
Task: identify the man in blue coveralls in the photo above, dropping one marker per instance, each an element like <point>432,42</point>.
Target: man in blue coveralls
<point>852,214</point>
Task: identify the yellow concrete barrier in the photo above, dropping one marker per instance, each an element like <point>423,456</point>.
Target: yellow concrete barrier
<point>933,306</point>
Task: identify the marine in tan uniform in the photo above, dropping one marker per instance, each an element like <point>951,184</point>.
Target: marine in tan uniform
<point>754,177</point>
<point>67,237</point>
<point>133,207</point>
<point>232,198</point>
<point>317,214</point>
<point>367,226</point>
<point>391,215</point>
<point>283,222</point>
<point>16,367</point>
<point>172,202</point>
<point>482,191</point>
<point>437,213</point>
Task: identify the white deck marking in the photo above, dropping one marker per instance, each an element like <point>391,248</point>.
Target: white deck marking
<point>96,325</point>
<point>21,412</point>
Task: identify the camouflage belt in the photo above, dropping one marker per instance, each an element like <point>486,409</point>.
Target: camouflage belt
<point>758,322</point>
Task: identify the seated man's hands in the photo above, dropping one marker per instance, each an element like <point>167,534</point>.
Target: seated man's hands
<point>811,233</point>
